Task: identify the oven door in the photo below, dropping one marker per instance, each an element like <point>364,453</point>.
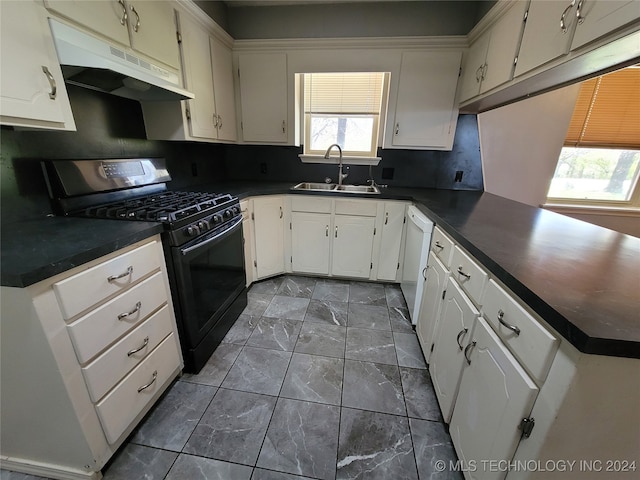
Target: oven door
<point>210,275</point>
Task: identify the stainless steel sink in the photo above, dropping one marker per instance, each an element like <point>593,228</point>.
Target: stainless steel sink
<point>332,187</point>
<point>314,186</point>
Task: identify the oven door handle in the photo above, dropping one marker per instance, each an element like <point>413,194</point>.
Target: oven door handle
<point>235,226</point>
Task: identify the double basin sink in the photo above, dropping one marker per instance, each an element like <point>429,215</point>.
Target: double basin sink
<point>334,187</point>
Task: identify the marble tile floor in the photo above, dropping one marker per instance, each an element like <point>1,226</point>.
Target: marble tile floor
<point>318,379</point>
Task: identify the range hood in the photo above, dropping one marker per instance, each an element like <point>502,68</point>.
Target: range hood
<point>92,63</point>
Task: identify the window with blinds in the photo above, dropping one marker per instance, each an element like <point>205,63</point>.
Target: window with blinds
<point>600,161</point>
<point>343,108</point>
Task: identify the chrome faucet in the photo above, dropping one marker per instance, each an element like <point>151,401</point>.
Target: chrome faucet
<point>341,176</point>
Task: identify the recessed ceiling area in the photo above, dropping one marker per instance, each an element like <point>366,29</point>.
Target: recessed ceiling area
<point>272,19</point>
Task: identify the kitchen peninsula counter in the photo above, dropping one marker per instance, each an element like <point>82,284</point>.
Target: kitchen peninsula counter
<point>580,278</point>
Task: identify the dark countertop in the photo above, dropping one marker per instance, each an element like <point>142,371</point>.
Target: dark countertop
<point>41,248</point>
<point>580,278</point>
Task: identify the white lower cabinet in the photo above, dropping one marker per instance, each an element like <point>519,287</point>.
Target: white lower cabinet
<point>268,223</point>
<point>447,360</point>
<point>310,242</point>
<point>391,241</point>
<point>432,299</point>
<point>246,207</point>
<point>495,395</point>
<point>352,246</point>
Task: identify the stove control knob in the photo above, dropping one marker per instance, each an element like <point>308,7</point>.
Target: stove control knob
<point>227,214</point>
<point>203,225</point>
<point>217,219</point>
<point>192,231</point>
<point>235,210</point>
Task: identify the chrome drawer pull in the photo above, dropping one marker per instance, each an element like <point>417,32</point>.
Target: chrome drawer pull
<point>136,350</point>
<point>437,244</point>
<point>124,17</point>
<point>424,272</point>
<point>136,27</point>
<point>144,387</point>
<point>113,278</point>
<point>127,314</point>
<point>563,26</point>
<point>461,334</point>
<point>467,276</point>
<point>467,350</point>
<point>513,328</point>
<point>52,82</point>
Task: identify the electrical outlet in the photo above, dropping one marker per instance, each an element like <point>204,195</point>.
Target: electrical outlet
<point>458,177</point>
<point>387,173</point>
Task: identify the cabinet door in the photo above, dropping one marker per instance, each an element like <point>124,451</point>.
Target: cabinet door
<point>543,39</point>
<point>27,54</point>
<point>263,93</point>
<point>600,17</point>
<point>391,241</point>
<point>352,246</point>
<point>495,395</point>
<point>426,112</point>
<point>268,213</point>
<point>473,67</point>
<point>434,285</point>
<point>503,47</point>
<point>310,242</point>
<point>222,68</point>
<point>248,239</point>
<point>447,359</point>
<point>152,30</point>
<point>196,57</point>
<point>106,17</point>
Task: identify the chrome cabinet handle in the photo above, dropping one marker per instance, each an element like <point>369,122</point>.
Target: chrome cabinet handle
<point>215,121</point>
<point>136,27</point>
<point>136,309</point>
<point>466,275</point>
<point>386,218</point>
<point>563,26</point>
<point>336,231</point>
<point>326,231</point>
<point>136,350</point>
<point>124,17</point>
<point>578,14</point>
<point>219,121</point>
<point>438,245</point>
<point>397,128</point>
<point>461,334</point>
<point>113,278</point>
<point>467,350</point>
<point>424,272</point>
<point>144,387</point>
<point>479,74</point>
<point>52,82</point>
<point>513,328</point>
<point>484,71</point>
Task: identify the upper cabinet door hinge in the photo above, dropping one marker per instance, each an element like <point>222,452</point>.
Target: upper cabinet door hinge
<point>460,71</point>
<point>179,37</point>
<point>187,113</point>
<point>404,220</point>
<point>444,292</point>
<point>526,15</point>
<point>398,267</point>
<point>526,425</point>
<point>374,230</point>
<point>371,267</point>
<point>253,217</point>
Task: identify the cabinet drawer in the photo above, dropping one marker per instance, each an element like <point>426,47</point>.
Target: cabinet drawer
<point>365,208</point>
<point>534,346</point>
<point>81,291</point>
<point>93,332</point>
<point>120,407</point>
<point>310,204</point>
<point>468,274</point>
<point>117,361</point>
<point>442,246</point>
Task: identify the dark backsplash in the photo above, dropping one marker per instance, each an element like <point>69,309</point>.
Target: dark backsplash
<point>113,127</point>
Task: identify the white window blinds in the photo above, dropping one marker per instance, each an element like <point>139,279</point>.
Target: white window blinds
<point>343,93</point>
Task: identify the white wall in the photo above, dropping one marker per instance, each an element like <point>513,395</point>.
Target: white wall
<point>520,144</point>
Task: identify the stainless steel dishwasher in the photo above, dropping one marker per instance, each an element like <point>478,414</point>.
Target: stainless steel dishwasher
<point>416,252</point>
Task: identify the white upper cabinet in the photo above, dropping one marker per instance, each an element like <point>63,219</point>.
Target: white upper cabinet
<point>547,33</point>
<point>222,65</point>
<point>147,26</point>
<point>426,111</point>
<point>263,97</point>
<point>32,90</point>
<point>491,57</point>
<point>599,17</point>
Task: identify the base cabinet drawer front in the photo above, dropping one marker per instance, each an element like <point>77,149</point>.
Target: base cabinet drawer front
<point>81,291</point>
<point>365,208</point>
<point>452,337</point>
<point>495,395</point>
<point>300,203</point>
<point>109,368</point>
<point>527,340</point>
<point>95,331</point>
<point>471,277</point>
<point>118,409</point>
<point>442,246</point>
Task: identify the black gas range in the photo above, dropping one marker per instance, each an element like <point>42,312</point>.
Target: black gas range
<point>202,238</point>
